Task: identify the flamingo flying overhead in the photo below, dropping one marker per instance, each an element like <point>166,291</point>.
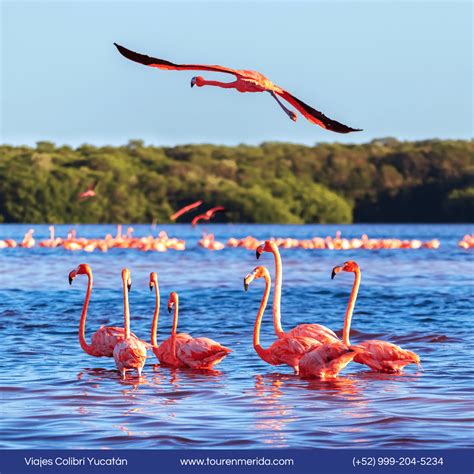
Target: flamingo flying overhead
<point>245,81</point>
<point>208,215</point>
<point>129,352</point>
<point>287,350</point>
<point>314,331</point>
<point>104,339</point>
<point>88,193</point>
<point>185,209</point>
<point>380,356</point>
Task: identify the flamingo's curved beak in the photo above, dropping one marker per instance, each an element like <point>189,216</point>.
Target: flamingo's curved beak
<point>151,286</point>
<point>70,279</point>
<point>129,285</point>
<point>246,285</point>
<point>335,271</point>
<point>170,307</point>
<point>193,82</point>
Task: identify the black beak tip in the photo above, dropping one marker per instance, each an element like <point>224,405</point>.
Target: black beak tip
<point>129,286</point>
<point>246,286</point>
<point>257,254</point>
<point>70,280</point>
<point>169,309</point>
<point>151,287</point>
<point>333,274</point>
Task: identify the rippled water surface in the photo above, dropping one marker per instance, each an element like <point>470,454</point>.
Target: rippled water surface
<point>55,396</point>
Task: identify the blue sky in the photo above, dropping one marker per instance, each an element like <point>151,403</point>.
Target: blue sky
<point>401,69</point>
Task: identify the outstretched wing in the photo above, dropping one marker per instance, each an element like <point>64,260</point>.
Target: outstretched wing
<point>316,116</point>
<point>185,209</point>
<point>169,66</point>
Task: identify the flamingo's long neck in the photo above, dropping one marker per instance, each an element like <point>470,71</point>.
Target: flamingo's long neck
<point>126,310</point>
<point>258,320</point>
<point>82,325</point>
<point>154,324</point>
<point>51,233</point>
<point>225,85</point>
<point>175,324</point>
<point>277,294</point>
<point>350,308</point>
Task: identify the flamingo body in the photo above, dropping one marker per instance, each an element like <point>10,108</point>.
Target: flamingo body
<point>318,332</point>
<point>201,353</point>
<point>383,356</point>
<point>130,354</point>
<point>165,353</point>
<point>106,338</point>
<point>326,361</point>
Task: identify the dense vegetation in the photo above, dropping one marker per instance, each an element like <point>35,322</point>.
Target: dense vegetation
<point>382,181</point>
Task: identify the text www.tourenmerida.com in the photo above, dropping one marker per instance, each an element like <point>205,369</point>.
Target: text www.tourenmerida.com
<point>254,461</point>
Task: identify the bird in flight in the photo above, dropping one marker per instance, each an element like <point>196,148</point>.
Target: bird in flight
<point>245,81</point>
<point>185,209</point>
<point>208,215</point>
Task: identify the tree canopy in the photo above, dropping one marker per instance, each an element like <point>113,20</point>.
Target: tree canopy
<point>381,181</point>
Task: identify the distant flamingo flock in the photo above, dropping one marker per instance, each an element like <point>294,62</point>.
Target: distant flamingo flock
<point>311,350</point>
<point>162,242</point>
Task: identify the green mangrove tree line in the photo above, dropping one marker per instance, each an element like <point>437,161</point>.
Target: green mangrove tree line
<point>381,181</point>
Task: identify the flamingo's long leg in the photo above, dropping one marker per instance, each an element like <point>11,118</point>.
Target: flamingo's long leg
<point>288,112</point>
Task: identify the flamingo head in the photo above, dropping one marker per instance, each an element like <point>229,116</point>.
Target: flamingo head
<point>153,280</point>
<point>268,246</point>
<point>349,266</point>
<point>172,300</point>
<point>258,272</point>
<point>82,269</point>
<point>126,278</point>
<point>197,81</point>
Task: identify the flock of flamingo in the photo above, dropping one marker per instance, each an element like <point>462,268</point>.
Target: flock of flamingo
<point>311,350</point>
<point>163,242</point>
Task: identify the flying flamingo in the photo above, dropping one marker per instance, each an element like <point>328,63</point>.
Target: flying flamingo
<point>313,331</point>
<point>380,356</point>
<point>246,81</point>
<point>208,215</point>
<point>104,339</point>
<point>185,209</point>
<point>287,350</point>
<point>182,350</point>
<point>129,352</point>
<point>88,193</point>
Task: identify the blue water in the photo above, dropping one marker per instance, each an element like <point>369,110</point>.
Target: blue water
<point>54,395</point>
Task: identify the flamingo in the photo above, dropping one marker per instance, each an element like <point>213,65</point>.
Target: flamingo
<point>166,352</point>
<point>129,352</point>
<point>314,331</point>
<point>287,350</point>
<point>185,209</point>
<point>246,81</point>
<point>208,215</point>
<point>182,350</point>
<point>380,356</point>
<point>327,360</point>
<point>104,339</point>
<point>88,193</point>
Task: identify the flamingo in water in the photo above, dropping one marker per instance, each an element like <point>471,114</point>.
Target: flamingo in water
<point>182,350</point>
<point>314,331</point>
<point>104,339</point>
<point>287,350</point>
<point>129,352</point>
<point>380,356</point>
<point>245,81</point>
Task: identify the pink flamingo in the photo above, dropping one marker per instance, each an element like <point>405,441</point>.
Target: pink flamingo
<point>286,350</point>
<point>327,360</point>
<point>206,216</point>
<point>245,81</point>
<point>166,352</point>
<point>104,339</point>
<point>88,193</point>
<point>129,352</point>
<point>182,350</point>
<point>314,331</point>
<point>185,209</point>
<point>380,356</point>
